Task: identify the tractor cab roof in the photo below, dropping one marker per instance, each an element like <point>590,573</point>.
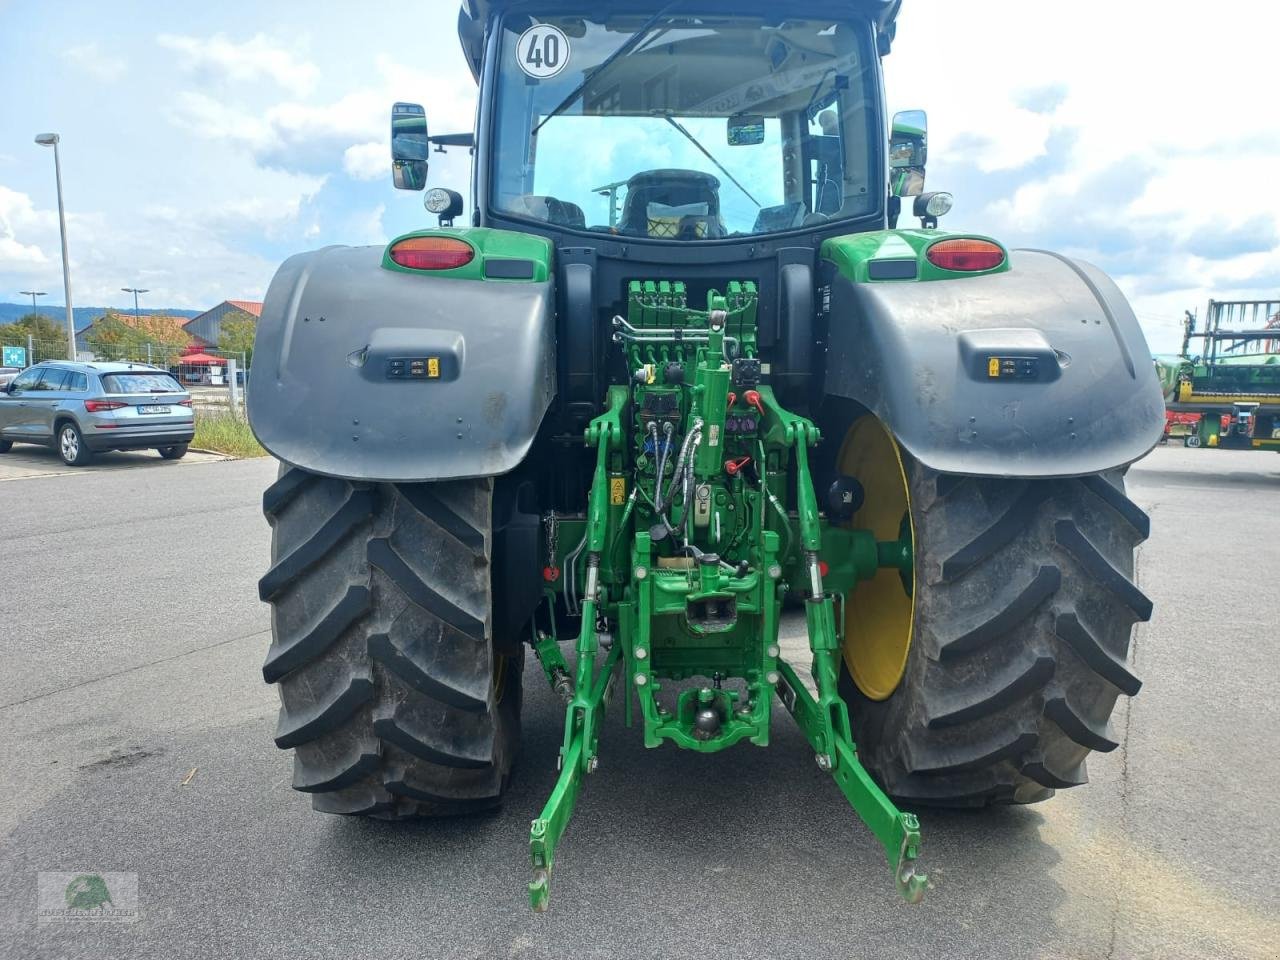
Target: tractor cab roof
<point>475,14</point>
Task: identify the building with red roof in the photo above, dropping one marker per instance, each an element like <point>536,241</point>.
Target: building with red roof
<point>207,327</point>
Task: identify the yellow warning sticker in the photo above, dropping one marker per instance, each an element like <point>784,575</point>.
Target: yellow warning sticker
<point>993,367</point>
<point>617,491</point>
<point>433,367</point>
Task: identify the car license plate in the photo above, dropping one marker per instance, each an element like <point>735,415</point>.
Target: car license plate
<point>153,409</point>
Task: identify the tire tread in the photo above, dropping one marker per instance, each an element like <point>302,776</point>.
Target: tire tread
<point>385,667</point>
<point>1019,650</point>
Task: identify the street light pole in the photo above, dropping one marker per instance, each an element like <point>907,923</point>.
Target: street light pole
<point>33,294</point>
<point>135,291</point>
<point>51,140</point>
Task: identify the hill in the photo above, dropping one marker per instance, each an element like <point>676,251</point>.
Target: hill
<point>84,316</point>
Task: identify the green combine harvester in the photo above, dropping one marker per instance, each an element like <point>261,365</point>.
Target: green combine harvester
<point>635,428</point>
<point>1231,388</point>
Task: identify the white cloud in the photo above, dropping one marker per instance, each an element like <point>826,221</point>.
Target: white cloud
<point>17,256</point>
<point>1095,134</point>
<point>248,61</point>
<point>271,211</point>
<point>212,119</point>
<point>351,123</point>
<point>367,161</point>
<point>20,224</point>
<point>188,256</point>
<point>267,212</point>
<point>93,60</point>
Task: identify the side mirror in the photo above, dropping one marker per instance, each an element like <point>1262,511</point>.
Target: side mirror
<point>409,146</point>
<point>746,130</point>
<point>908,152</point>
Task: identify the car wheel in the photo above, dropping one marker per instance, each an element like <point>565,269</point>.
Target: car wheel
<point>6,446</point>
<point>176,452</point>
<point>71,446</point>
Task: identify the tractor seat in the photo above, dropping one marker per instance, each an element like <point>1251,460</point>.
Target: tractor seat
<point>562,213</point>
<point>673,205</point>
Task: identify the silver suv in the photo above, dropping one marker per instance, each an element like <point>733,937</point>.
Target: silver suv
<point>83,408</point>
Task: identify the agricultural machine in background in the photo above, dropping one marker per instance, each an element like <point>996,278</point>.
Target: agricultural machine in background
<point>1227,395</point>
<point>679,366</point>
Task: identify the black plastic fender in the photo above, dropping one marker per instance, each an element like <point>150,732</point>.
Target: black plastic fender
<point>1041,371</point>
<point>325,394</point>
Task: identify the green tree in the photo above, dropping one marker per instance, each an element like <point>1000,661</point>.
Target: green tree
<point>118,336</point>
<point>50,336</point>
<point>113,338</point>
<point>237,336</point>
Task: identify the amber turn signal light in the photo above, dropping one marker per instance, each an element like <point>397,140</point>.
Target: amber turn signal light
<point>432,253</point>
<point>966,256</point>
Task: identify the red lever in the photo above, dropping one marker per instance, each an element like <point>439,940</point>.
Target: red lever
<point>550,574</point>
<point>753,398</point>
<point>732,467</point>
<point>733,398</point>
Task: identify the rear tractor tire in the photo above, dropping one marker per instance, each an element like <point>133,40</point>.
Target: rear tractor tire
<point>990,675</point>
<point>392,696</point>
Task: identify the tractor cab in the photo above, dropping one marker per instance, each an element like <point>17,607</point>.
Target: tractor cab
<point>698,143</point>
<point>699,123</point>
<point>718,128</point>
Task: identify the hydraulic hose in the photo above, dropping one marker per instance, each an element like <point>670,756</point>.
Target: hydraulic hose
<point>691,438</point>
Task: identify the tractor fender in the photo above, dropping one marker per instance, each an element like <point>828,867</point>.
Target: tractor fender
<point>335,388</point>
<point>1038,371</point>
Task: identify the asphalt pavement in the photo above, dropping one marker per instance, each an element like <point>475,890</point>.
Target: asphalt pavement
<point>26,461</point>
<point>136,736</point>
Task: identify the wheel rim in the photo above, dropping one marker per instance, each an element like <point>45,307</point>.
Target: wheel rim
<point>70,444</point>
<point>879,612</point>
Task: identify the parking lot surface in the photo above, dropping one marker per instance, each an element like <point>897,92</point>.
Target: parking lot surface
<point>136,736</point>
<point>26,461</point>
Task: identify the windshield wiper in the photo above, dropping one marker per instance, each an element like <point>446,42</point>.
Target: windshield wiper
<point>707,153</point>
<point>634,41</point>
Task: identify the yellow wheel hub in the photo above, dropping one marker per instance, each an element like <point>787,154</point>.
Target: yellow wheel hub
<point>878,612</point>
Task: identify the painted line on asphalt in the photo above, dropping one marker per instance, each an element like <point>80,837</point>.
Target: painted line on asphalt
<point>116,467</point>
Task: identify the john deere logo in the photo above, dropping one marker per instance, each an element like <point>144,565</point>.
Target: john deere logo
<point>86,897</point>
<point>88,892</point>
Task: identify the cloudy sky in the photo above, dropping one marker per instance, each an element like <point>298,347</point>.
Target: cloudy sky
<point>203,143</point>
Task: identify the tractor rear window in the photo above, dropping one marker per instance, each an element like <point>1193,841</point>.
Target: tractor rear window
<point>686,127</point>
<point>140,383</point>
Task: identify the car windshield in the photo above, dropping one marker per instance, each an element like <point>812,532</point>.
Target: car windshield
<point>140,383</point>
<point>686,127</point>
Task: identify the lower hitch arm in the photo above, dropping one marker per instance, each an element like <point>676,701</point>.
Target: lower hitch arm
<point>577,758</point>
<point>582,716</point>
<point>898,832</point>
<point>824,720</point>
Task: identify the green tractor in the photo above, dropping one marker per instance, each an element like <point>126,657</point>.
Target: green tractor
<point>634,430</point>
